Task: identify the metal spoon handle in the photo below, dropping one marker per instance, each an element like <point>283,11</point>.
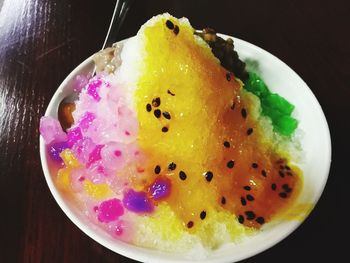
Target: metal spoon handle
<point>120,10</point>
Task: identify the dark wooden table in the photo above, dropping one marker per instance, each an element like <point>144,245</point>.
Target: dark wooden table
<point>41,41</point>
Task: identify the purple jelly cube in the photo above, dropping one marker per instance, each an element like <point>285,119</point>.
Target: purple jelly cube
<point>137,202</point>
<point>160,188</point>
<point>55,149</point>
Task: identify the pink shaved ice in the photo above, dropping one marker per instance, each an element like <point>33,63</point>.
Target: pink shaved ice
<point>51,130</point>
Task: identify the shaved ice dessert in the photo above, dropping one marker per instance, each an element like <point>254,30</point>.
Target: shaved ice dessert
<point>166,148</point>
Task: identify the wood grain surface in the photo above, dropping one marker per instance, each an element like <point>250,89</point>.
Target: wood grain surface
<point>41,41</point>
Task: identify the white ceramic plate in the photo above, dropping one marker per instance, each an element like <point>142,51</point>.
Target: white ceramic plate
<point>315,142</point>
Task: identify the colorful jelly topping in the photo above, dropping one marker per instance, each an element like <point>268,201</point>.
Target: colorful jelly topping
<point>274,106</point>
<point>182,147</point>
<point>137,202</point>
<point>110,210</point>
<point>55,150</point>
<point>160,188</point>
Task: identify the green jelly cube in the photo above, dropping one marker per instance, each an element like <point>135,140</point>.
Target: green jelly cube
<point>270,112</point>
<point>273,105</point>
<point>256,85</point>
<point>278,103</point>
<point>285,125</point>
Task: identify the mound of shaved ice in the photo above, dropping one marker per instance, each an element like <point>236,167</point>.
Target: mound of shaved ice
<point>142,176</point>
